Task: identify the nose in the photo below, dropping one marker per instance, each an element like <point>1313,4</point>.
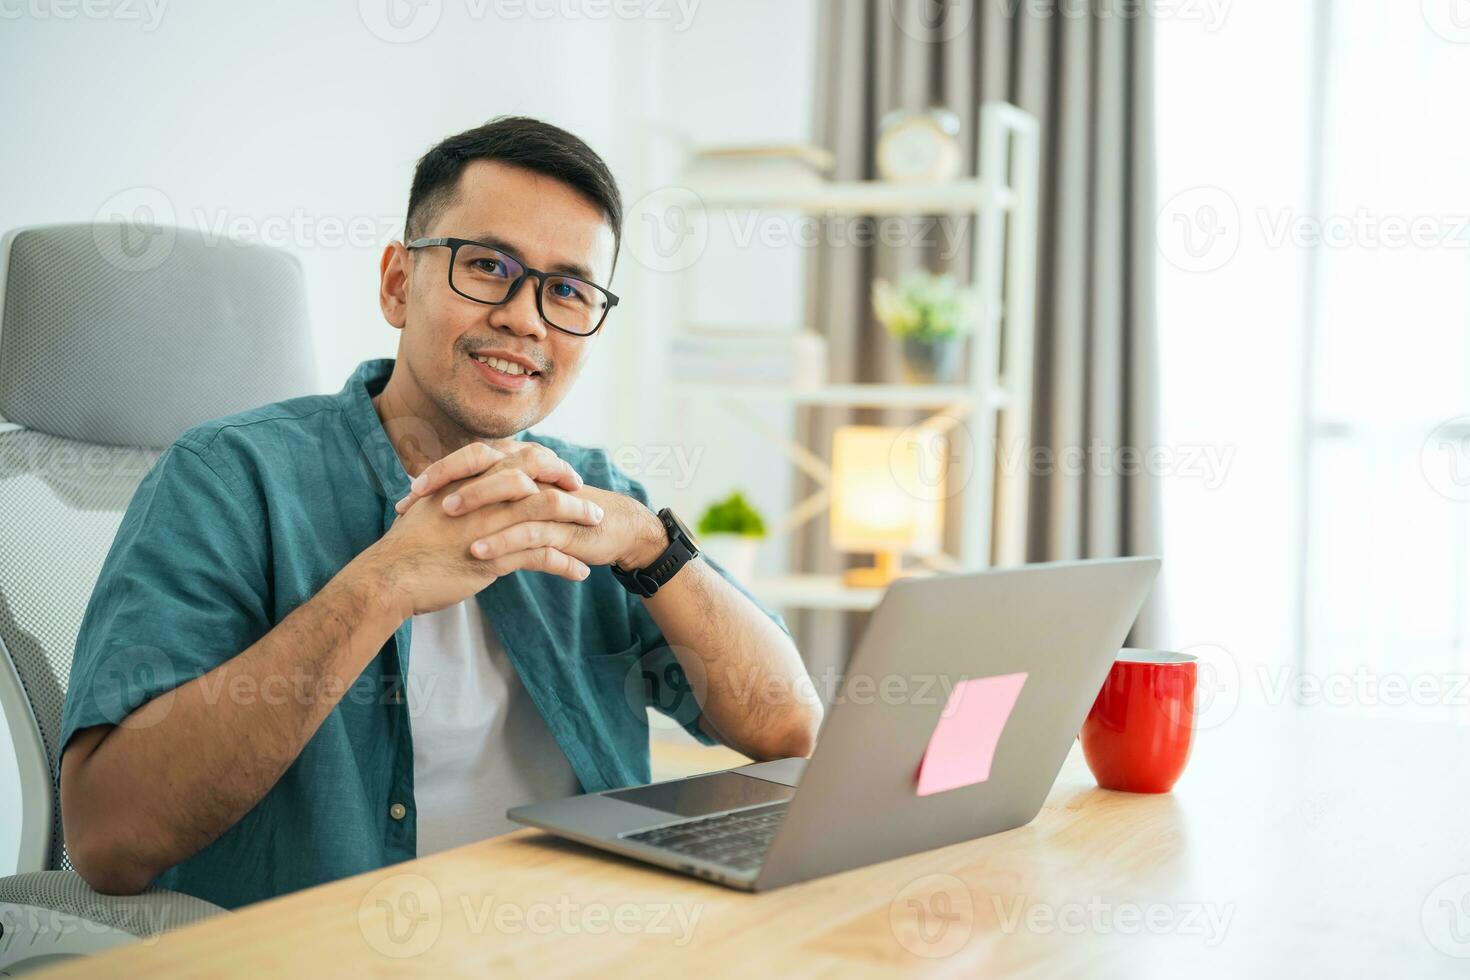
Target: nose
<point>518,315</point>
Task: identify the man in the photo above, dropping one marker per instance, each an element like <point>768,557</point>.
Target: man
<point>341,631</point>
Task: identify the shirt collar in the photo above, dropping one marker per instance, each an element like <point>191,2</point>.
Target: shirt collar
<point>357,396</point>
<point>387,469</point>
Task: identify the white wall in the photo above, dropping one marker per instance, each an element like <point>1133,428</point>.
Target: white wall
<point>302,119</point>
<point>287,118</point>
<point>755,63</point>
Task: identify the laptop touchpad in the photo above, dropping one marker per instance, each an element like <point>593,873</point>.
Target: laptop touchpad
<point>699,795</point>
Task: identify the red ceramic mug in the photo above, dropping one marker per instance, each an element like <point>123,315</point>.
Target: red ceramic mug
<point>1138,734</point>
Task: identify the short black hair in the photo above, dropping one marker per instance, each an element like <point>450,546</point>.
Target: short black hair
<point>520,141</point>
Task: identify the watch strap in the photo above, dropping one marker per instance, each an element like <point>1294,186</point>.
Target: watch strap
<point>647,581</point>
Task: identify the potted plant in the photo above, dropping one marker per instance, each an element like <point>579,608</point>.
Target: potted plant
<point>930,315</point>
<point>730,531</point>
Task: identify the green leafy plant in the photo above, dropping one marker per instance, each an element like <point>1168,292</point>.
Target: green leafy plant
<point>925,307</point>
<point>733,515</point>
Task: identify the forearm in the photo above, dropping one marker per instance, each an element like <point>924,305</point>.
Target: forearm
<point>758,697</point>
<point>185,767</point>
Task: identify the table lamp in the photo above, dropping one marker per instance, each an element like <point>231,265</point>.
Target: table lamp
<point>887,496</point>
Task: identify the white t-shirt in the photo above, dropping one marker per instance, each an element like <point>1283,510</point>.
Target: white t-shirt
<point>479,744</point>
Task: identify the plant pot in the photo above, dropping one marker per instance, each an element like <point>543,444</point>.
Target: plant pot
<point>936,362</point>
<point>735,553</point>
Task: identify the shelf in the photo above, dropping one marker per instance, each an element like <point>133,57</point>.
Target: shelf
<point>856,197</point>
<point>992,408</point>
<point>813,592</point>
<point>866,395</point>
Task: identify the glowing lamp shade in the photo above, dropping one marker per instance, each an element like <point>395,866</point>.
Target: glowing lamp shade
<point>887,495</point>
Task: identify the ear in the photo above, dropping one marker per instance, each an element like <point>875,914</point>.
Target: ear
<point>393,276</point>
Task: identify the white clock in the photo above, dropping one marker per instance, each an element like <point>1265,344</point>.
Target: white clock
<point>919,147</point>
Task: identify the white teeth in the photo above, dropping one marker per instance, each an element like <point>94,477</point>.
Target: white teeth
<point>502,365</point>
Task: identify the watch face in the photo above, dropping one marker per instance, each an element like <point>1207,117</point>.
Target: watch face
<point>682,529</point>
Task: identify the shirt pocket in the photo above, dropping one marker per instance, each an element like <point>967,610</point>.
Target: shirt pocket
<point>616,679</point>
<point>617,705</point>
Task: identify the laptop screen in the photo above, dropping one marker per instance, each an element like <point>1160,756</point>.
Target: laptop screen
<point>700,795</point>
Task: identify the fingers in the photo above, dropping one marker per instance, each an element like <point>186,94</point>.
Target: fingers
<point>545,466</point>
<point>501,486</point>
<point>555,505</point>
<point>546,504</point>
<point>548,560</point>
<point>534,459</point>
<point>527,536</point>
<point>558,505</point>
<point>464,462</point>
<point>546,469</point>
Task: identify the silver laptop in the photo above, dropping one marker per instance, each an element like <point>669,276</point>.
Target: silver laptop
<point>881,784</point>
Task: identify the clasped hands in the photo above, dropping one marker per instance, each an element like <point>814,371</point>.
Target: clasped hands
<point>487,510</point>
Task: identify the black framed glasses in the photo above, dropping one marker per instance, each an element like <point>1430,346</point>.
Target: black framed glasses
<point>492,276</point>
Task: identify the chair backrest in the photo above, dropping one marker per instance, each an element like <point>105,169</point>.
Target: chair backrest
<point>114,339</point>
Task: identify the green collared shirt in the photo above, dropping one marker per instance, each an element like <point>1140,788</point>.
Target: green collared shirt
<point>245,518</point>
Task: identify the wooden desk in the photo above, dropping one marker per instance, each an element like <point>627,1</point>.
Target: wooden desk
<point>1298,844</point>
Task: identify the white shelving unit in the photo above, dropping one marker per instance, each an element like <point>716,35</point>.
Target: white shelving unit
<point>993,406</point>
<point>852,197</point>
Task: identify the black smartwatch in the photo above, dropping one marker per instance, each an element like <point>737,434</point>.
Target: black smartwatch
<point>682,548</point>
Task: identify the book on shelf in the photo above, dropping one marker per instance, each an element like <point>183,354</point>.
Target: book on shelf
<point>774,163</point>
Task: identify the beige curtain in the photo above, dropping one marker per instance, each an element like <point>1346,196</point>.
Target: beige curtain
<point>1086,73</point>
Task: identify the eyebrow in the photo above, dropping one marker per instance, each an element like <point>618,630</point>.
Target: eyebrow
<point>567,268</point>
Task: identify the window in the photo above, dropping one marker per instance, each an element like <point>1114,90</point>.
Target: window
<point>1314,300</point>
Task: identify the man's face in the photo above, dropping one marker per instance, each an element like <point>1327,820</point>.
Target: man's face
<point>546,225</point>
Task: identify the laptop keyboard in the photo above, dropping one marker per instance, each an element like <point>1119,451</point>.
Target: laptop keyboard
<point>739,839</point>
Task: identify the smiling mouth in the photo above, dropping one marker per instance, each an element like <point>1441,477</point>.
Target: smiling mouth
<point>503,373</point>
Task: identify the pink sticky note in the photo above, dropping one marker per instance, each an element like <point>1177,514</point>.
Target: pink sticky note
<point>963,743</point>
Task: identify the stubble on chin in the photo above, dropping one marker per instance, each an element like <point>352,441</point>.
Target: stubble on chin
<point>486,421</point>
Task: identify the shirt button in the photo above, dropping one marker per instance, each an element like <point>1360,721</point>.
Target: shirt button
<point>398,811</point>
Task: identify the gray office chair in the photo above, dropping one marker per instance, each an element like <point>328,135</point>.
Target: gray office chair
<point>114,338</point>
